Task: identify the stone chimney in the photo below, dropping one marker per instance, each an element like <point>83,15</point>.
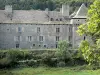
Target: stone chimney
<point>8,10</point>
<point>65,10</point>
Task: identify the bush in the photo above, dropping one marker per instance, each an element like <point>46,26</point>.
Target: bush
<point>32,63</point>
<point>61,64</point>
<point>63,53</point>
<point>49,59</point>
<point>7,63</point>
<point>15,55</point>
<point>28,55</point>
<point>2,54</point>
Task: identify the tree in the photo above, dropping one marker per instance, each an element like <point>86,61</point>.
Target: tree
<point>63,52</point>
<point>91,49</point>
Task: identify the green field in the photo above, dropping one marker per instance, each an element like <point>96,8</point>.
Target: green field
<point>48,71</point>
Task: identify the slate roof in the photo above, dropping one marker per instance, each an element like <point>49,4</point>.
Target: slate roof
<point>28,16</point>
<point>82,12</point>
<point>38,16</point>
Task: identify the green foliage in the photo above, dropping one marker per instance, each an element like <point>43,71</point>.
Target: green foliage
<point>63,50</point>
<point>91,49</point>
<point>32,63</point>
<point>42,4</point>
<point>5,62</point>
<point>49,59</point>
<point>61,64</point>
<point>90,53</point>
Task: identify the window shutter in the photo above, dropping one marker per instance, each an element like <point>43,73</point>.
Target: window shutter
<point>14,38</point>
<point>26,38</point>
<point>22,29</point>
<point>20,38</point>
<point>17,29</point>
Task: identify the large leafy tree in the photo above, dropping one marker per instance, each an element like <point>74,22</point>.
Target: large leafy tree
<point>91,47</point>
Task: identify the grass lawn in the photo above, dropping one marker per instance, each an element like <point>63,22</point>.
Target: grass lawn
<point>48,71</point>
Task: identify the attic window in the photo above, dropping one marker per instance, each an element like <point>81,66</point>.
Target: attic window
<point>51,19</point>
<point>56,19</point>
<point>60,19</point>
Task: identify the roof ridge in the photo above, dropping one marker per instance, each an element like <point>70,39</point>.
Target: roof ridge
<point>82,11</point>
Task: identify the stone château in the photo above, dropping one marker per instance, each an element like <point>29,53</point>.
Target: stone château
<point>40,29</point>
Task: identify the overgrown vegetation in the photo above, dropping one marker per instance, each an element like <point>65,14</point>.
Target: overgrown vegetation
<point>90,48</point>
<point>53,58</point>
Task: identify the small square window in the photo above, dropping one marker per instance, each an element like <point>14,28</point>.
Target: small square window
<point>33,45</point>
<point>45,46</point>
<point>60,19</point>
<point>57,20</point>
<point>39,45</point>
<point>51,19</point>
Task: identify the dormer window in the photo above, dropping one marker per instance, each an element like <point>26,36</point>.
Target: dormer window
<point>60,19</point>
<point>51,19</point>
<point>56,19</point>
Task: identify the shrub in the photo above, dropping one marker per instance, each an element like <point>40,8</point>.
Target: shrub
<point>63,53</point>
<point>2,54</point>
<point>5,62</point>
<point>49,59</point>
<point>28,55</point>
<point>32,63</point>
<point>61,64</point>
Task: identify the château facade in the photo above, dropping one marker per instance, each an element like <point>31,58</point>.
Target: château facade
<point>40,29</point>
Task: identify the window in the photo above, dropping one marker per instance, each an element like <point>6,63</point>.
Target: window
<point>56,46</point>
<point>17,45</point>
<point>57,38</point>
<point>60,19</point>
<point>40,38</point>
<point>19,29</point>
<point>38,29</point>
<point>17,38</point>
<point>57,20</point>
<point>84,37</point>
<point>29,38</point>
<point>33,45</point>
<point>51,19</point>
<point>69,29</point>
<point>69,38</point>
<point>39,45</point>
<point>57,30</point>
<point>45,46</point>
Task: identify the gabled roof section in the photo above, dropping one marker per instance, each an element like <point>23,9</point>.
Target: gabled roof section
<point>82,12</point>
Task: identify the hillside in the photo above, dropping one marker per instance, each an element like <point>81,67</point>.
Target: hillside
<point>42,4</point>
